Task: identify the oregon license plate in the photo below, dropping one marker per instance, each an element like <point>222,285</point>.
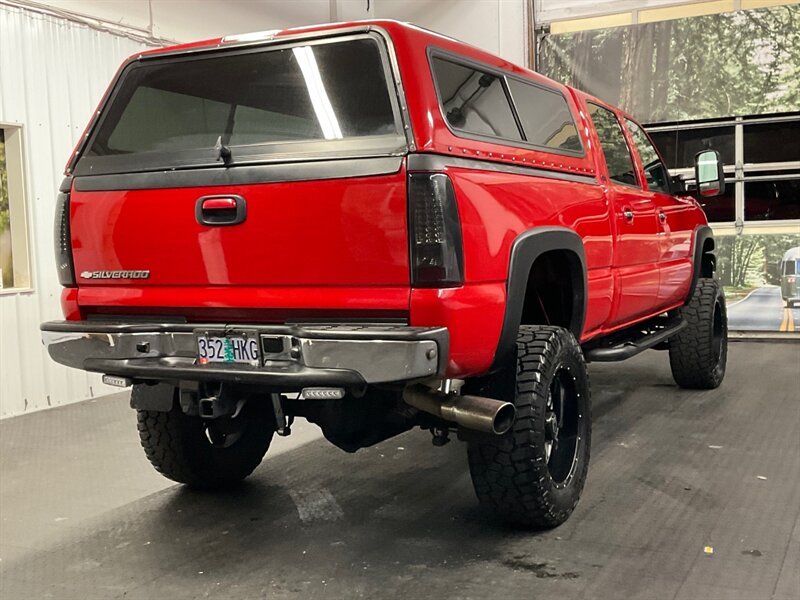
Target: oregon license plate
<point>228,347</point>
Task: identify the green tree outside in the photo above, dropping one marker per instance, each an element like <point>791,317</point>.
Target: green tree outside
<point>738,63</point>
<point>4,213</point>
<point>745,262</point>
<point>6,264</point>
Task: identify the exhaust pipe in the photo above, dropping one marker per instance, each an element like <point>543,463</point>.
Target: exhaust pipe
<point>470,412</point>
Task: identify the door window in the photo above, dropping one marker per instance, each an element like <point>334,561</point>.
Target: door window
<point>654,171</point>
<point>615,148</point>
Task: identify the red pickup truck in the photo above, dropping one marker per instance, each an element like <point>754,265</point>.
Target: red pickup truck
<point>375,227</point>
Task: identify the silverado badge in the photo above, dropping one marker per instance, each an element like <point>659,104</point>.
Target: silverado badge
<point>115,274</point>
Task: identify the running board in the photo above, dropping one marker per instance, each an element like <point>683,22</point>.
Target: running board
<point>639,342</point>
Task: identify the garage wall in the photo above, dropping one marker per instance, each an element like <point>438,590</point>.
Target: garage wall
<point>494,25</point>
<point>52,75</point>
<point>497,26</point>
<point>185,20</point>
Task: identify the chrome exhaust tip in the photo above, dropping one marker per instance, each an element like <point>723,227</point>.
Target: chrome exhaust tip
<point>471,412</point>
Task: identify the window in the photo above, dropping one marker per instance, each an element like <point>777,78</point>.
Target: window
<point>545,116</point>
<point>615,148</point>
<point>14,266</point>
<point>654,171</point>
<point>300,100</point>
<point>772,142</point>
<point>474,101</point>
<point>718,209</point>
<point>790,267</point>
<point>766,187</point>
<point>769,199</point>
<point>679,147</point>
<point>6,251</point>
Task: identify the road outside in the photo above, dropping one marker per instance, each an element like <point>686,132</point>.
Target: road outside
<point>762,310</point>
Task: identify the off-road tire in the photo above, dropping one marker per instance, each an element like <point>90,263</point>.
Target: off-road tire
<point>179,448</point>
<point>510,473</point>
<point>698,353</point>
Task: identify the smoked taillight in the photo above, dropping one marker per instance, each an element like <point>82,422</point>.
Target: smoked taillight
<point>63,242</point>
<point>437,253</point>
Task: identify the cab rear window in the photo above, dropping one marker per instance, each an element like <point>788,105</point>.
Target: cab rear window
<point>316,99</point>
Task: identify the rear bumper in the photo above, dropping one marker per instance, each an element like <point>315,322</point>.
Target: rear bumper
<point>346,355</point>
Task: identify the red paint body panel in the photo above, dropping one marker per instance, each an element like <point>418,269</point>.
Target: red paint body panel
<point>474,316</point>
<point>340,247</point>
<point>69,305</point>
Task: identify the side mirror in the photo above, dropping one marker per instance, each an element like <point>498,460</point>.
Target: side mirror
<point>708,173</point>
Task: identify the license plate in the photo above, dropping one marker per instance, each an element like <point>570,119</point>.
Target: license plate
<point>231,347</point>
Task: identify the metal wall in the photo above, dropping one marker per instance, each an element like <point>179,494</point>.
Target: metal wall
<point>52,74</point>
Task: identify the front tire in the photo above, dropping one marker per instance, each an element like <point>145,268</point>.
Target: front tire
<point>698,354</point>
<point>533,475</point>
<point>203,453</point>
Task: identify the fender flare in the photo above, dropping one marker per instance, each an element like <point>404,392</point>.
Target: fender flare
<point>526,248</point>
<point>701,234</point>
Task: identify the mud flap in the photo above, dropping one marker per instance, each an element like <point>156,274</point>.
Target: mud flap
<point>157,397</point>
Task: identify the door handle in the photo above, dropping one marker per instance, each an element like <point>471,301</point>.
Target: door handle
<point>627,213</point>
<point>662,217</point>
<point>218,211</point>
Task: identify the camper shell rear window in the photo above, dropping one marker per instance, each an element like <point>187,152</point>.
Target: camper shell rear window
<point>326,98</point>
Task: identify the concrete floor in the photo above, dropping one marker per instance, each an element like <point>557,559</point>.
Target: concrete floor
<point>83,516</point>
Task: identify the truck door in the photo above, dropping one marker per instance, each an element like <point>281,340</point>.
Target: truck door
<point>636,250</point>
<point>675,219</point>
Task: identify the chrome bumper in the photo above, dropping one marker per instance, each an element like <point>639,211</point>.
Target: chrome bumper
<point>342,355</point>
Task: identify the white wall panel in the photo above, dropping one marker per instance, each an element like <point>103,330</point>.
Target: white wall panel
<point>129,13</point>
<point>494,25</point>
<point>497,26</point>
<point>188,20</point>
<point>52,75</point>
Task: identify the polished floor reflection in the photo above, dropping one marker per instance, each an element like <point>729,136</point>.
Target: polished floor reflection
<point>690,495</point>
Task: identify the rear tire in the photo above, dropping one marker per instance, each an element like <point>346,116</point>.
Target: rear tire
<point>533,475</point>
<point>180,446</point>
<point>698,353</point>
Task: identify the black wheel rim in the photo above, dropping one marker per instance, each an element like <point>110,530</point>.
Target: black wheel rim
<point>223,432</point>
<point>717,332</point>
<point>562,426</point>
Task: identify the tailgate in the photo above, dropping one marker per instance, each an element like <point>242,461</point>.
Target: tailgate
<point>341,232</point>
